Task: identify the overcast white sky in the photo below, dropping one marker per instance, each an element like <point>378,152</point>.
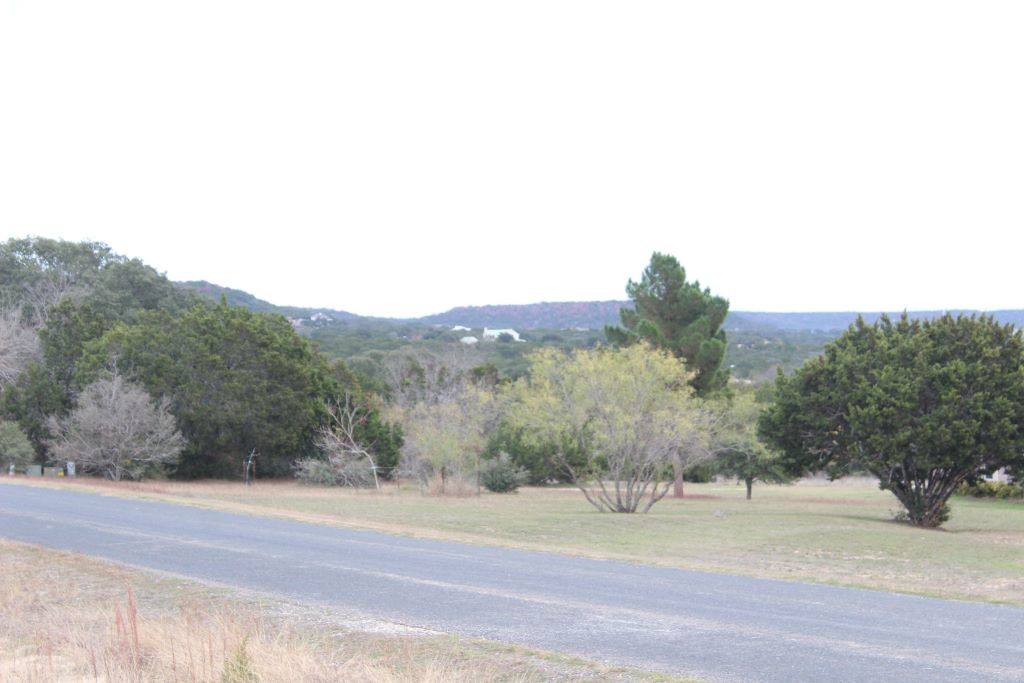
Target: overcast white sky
<point>401,158</point>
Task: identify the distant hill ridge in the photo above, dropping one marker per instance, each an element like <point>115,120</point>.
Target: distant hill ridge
<point>597,314</point>
<point>576,314</point>
<point>546,315</point>
<point>236,297</point>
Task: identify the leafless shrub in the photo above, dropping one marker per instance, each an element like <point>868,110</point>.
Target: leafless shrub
<point>117,430</point>
<point>348,462</point>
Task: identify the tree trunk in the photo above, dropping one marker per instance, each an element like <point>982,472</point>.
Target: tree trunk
<point>924,509</point>
<point>750,487</point>
<point>677,484</point>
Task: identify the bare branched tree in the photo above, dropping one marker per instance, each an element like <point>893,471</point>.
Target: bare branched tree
<point>351,461</point>
<point>424,377</point>
<point>117,430</point>
<point>45,292</point>
<point>19,345</point>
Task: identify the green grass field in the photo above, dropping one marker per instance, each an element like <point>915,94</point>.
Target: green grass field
<point>839,533</point>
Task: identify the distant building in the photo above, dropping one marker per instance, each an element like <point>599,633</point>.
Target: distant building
<point>469,340</point>
<point>321,318</point>
<point>494,334</point>
<point>460,328</point>
<point>1000,476</point>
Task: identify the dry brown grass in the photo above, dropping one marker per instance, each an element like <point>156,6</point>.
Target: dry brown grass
<point>64,617</point>
<point>455,487</point>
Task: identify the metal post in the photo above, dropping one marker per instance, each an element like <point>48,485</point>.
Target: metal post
<point>250,467</point>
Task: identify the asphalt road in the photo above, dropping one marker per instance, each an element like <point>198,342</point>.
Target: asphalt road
<point>719,627</point>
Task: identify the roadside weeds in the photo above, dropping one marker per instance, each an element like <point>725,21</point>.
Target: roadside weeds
<point>65,617</point>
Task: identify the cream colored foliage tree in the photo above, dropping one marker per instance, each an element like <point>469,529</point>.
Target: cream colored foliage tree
<point>446,418</point>
<point>629,409</point>
<point>444,439</point>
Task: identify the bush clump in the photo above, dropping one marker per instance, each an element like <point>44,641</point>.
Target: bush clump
<point>700,473</point>
<point>992,489</point>
<point>315,472</point>
<point>333,472</point>
<point>501,475</point>
<point>15,449</point>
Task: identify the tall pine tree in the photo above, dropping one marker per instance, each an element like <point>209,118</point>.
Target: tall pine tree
<point>679,317</point>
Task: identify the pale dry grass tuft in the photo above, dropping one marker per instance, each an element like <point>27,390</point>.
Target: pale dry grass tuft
<point>68,618</point>
<point>453,487</point>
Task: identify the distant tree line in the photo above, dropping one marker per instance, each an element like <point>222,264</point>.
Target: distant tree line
<point>86,319</point>
<point>105,362</point>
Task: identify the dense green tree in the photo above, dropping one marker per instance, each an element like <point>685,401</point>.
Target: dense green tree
<point>680,317</point>
<point>67,295</point>
<point>540,461</point>
<point>15,448</point>
<point>124,289</point>
<point>238,381</point>
<point>31,400</point>
<point>920,405</point>
<point>49,386</point>
<point>69,327</point>
<point>36,273</point>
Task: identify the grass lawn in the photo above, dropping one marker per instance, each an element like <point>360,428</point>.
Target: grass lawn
<point>64,617</point>
<point>839,533</point>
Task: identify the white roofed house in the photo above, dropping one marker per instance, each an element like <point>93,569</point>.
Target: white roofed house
<point>999,475</point>
<point>492,335</point>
